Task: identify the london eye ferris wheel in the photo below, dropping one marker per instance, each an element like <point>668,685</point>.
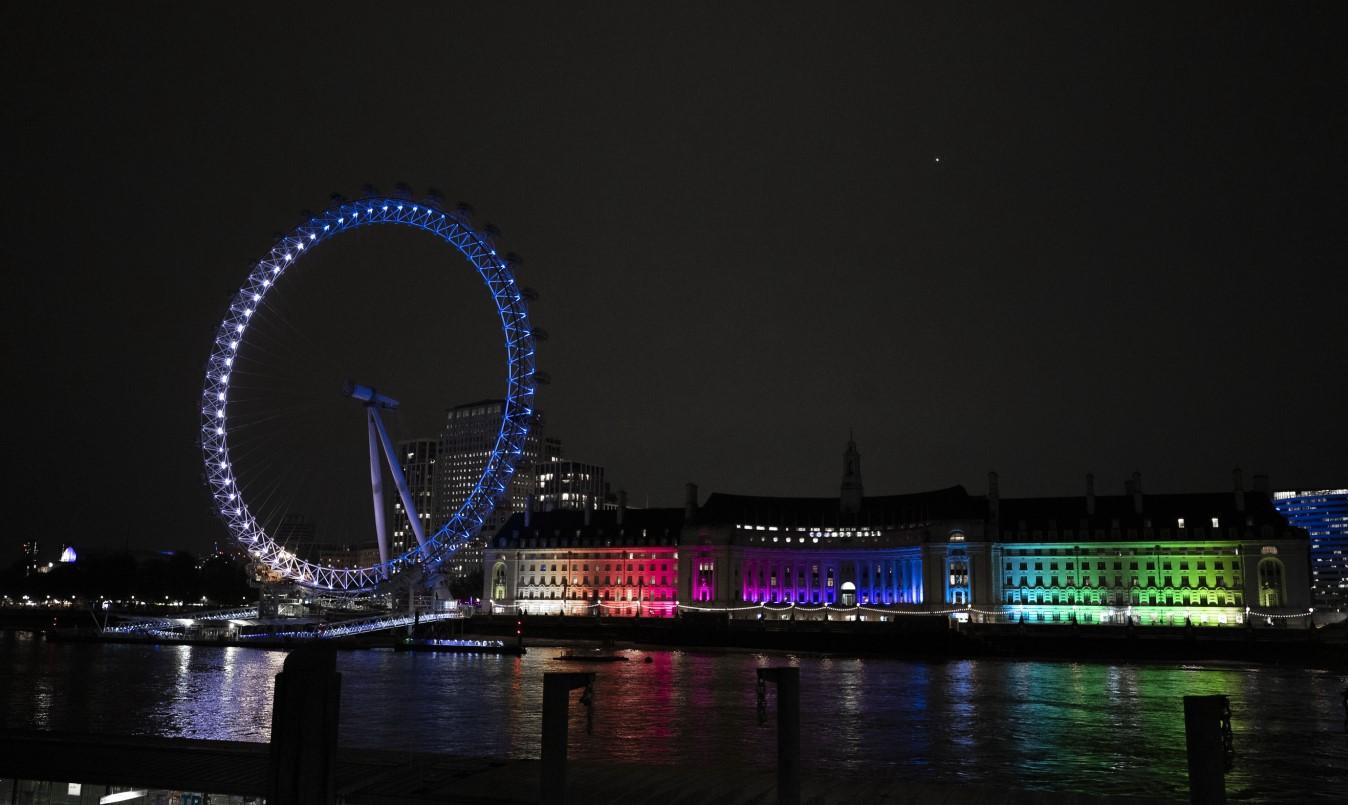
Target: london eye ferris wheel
<point>438,543</point>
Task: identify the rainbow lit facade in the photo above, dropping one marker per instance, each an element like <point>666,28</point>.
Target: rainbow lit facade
<point>1200,560</point>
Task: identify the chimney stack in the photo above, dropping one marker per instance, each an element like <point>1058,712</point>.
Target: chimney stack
<point>622,505</point>
<point>689,501</point>
<point>1238,482</point>
<point>1137,492</point>
<point>528,510</point>
<point>1090,494</point>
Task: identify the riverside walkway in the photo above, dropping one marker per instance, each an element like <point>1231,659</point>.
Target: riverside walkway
<point>374,777</point>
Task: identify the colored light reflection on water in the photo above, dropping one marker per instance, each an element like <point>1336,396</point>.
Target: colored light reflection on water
<point>1099,729</point>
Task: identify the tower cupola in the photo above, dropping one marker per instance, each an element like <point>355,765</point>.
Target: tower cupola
<point>852,491</point>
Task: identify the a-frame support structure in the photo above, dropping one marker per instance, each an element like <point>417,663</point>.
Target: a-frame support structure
<point>379,439</point>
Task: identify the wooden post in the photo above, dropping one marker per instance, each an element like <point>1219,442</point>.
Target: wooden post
<point>557,689</point>
<point>304,717</point>
<point>787,681</point>
<point>1205,748</point>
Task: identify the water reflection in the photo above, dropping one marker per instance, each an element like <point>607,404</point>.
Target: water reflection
<point>1081,727</point>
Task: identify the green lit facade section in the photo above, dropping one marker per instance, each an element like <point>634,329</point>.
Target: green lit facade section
<point>1199,583</point>
<point>1151,584</point>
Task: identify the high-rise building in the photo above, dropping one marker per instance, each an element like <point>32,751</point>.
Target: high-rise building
<point>30,557</point>
<point>566,484</point>
<point>417,457</point>
<point>470,435</point>
<point>1324,514</point>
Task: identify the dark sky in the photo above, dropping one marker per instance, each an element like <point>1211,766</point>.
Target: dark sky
<point>1041,239</point>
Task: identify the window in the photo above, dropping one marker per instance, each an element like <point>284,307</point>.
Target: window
<point>1271,583</point>
<point>1216,523</point>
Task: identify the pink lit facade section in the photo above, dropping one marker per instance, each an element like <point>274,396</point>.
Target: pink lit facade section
<point>602,564</point>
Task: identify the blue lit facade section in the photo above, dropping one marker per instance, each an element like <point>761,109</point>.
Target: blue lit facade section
<point>1324,515</point>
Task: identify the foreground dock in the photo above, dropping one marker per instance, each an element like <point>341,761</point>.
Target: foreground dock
<point>381,777</point>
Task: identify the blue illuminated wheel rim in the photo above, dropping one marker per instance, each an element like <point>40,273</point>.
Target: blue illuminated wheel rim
<point>496,271</point>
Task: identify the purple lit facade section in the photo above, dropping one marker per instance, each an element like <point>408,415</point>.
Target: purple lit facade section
<point>807,575</point>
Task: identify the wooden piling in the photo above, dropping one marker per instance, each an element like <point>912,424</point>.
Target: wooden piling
<point>557,689</point>
<point>787,681</point>
<point>1205,748</point>
<point>301,758</point>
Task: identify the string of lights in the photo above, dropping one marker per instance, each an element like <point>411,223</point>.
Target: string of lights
<point>144,624</point>
<point>1011,611</point>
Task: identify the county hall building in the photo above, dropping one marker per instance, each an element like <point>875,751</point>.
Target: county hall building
<point>1208,559</point>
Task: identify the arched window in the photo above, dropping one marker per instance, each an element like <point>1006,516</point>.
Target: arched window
<point>498,582</point>
<point>849,594</point>
<point>1271,592</point>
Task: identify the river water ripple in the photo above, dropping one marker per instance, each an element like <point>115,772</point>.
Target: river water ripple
<point>1091,728</point>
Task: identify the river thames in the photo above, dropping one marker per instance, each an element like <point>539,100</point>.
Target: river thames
<point>1090,728</point>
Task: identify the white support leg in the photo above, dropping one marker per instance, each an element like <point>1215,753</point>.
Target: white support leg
<point>377,485</point>
<point>399,479</point>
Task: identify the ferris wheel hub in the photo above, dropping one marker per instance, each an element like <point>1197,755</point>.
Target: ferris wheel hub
<point>368,395</point>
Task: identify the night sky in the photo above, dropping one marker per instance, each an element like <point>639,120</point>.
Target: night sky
<point>1041,239</point>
